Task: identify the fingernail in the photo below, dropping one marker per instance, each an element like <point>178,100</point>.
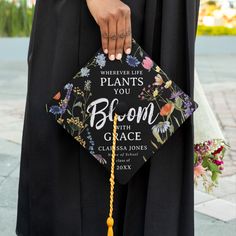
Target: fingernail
<point>128,51</point>
<point>118,56</point>
<point>105,51</point>
<point>112,57</point>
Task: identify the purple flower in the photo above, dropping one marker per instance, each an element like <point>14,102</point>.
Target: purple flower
<point>68,86</point>
<point>100,158</point>
<point>188,112</point>
<point>64,106</point>
<point>56,110</point>
<point>132,61</point>
<point>187,103</point>
<point>175,95</point>
<point>161,127</point>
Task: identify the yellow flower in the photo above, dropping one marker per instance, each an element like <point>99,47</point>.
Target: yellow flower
<point>158,80</point>
<point>157,69</point>
<point>168,84</point>
<point>76,121</point>
<point>80,140</point>
<point>60,120</point>
<point>155,93</point>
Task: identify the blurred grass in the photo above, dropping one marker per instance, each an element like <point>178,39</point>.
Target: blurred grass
<point>215,30</point>
<point>15,19</point>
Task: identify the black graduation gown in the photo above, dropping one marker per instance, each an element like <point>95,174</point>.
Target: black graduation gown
<point>62,190</point>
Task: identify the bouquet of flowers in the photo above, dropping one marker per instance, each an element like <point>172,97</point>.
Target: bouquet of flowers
<point>210,144</point>
<point>208,162</point>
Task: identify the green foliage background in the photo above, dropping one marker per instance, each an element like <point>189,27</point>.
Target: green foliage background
<point>215,30</point>
<point>15,19</point>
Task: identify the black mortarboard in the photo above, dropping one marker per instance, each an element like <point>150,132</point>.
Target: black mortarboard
<point>131,99</point>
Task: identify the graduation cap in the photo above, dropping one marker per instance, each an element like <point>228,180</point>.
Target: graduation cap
<point>121,112</point>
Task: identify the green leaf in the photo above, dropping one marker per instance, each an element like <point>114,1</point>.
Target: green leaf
<point>141,53</point>
<point>211,156</point>
<point>214,176</point>
<point>154,145</point>
<point>213,167</point>
<point>158,138</point>
<point>171,129</point>
<point>223,152</point>
<point>69,112</point>
<point>195,157</point>
<point>178,103</point>
<point>176,120</point>
<point>78,104</point>
<point>73,127</point>
<point>205,163</point>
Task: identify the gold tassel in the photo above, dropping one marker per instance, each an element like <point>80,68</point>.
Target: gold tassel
<point>110,223</point>
<point>110,220</point>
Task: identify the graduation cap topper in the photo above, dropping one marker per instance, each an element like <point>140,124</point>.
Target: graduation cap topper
<point>150,108</point>
<point>121,111</point>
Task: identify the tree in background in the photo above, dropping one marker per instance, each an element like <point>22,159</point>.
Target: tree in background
<point>16,18</point>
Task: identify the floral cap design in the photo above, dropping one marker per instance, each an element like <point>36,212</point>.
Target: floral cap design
<point>155,108</point>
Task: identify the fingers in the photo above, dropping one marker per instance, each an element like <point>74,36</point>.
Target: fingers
<point>116,35</point>
<point>104,35</point>
<point>112,38</point>
<point>128,38</point>
<point>120,38</point>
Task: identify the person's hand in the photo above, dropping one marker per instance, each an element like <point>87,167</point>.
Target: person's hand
<point>114,20</point>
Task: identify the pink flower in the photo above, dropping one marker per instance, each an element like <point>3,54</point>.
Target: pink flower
<point>147,63</point>
<point>199,170</point>
<point>218,162</point>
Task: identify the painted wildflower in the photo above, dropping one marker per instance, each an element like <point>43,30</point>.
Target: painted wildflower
<point>155,93</point>
<point>168,84</point>
<point>100,60</point>
<point>175,95</point>
<point>100,158</point>
<point>87,85</point>
<point>167,109</point>
<point>132,61</point>
<point>68,86</point>
<point>188,112</point>
<point>158,80</point>
<point>84,72</point>
<point>157,69</point>
<point>57,96</point>
<point>147,63</point>
<point>91,141</point>
<point>161,127</point>
<point>55,110</point>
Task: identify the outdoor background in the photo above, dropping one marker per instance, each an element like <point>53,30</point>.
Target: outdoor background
<point>215,213</point>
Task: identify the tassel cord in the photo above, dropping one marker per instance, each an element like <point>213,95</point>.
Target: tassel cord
<point>110,220</point>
